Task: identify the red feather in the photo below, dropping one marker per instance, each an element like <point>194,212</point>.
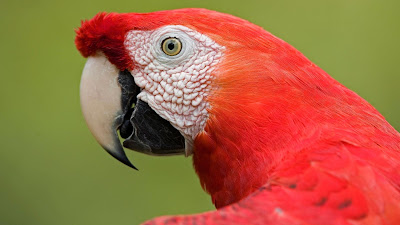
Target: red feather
<point>328,183</point>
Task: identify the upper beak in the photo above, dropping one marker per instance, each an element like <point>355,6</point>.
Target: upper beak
<point>101,104</point>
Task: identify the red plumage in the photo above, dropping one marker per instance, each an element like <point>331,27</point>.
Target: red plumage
<point>285,143</point>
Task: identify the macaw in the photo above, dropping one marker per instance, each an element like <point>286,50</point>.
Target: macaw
<point>274,138</point>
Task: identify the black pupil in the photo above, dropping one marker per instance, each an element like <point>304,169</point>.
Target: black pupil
<point>171,45</point>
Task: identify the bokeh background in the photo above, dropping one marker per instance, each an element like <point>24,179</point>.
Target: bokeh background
<point>51,169</point>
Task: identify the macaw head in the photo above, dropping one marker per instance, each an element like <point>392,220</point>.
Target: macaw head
<point>151,76</point>
<point>147,76</point>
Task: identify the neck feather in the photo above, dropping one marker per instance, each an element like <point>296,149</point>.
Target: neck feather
<point>264,109</point>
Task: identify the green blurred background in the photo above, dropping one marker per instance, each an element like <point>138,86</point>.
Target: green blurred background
<point>53,171</point>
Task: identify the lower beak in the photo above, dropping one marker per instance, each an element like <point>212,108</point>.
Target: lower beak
<point>101,104</point>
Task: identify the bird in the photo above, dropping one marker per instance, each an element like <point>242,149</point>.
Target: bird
<point>274,139</point>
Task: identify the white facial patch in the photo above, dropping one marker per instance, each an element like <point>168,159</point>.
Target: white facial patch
<point>175,86</point>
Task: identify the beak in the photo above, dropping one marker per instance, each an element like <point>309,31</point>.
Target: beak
<point>101,104</point>
<point>107,96</point>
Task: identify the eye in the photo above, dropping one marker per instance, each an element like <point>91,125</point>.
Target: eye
<point>171,46</point>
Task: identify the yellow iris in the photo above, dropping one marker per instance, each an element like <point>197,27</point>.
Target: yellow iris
<point>171,46</point>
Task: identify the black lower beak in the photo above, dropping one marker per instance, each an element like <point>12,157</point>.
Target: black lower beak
<point>152,134</point>
<point>142,128</point>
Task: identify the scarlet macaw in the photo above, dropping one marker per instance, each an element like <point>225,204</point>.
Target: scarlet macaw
<point>274,139</point>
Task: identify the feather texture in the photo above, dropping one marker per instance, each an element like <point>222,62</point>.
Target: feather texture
<point>328,183</point>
